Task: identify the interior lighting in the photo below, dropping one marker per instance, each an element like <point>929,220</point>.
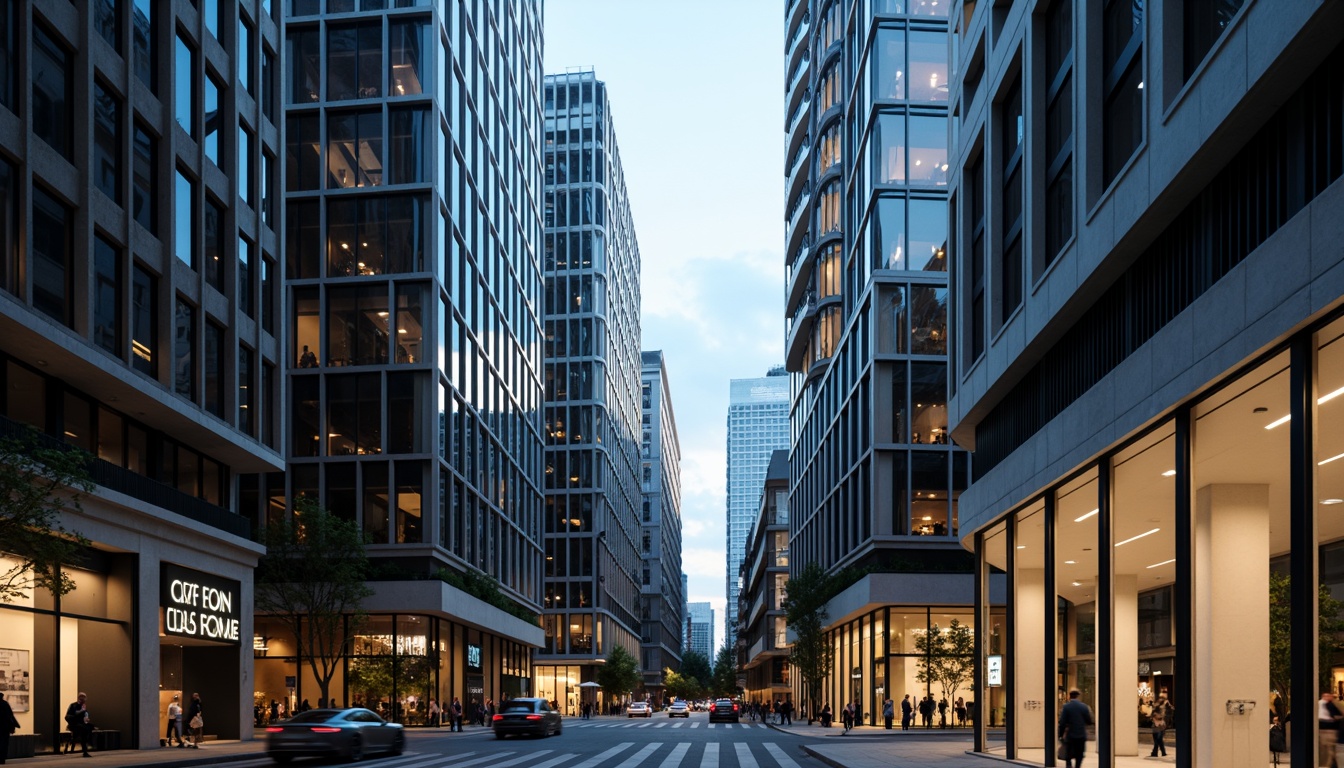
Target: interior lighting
<point>1319,401</point>
<point>1084,517</point>
<point>1077,583</point>
<point>1136,538</point>
<point>1070,562</point>
<point>1164,562</point>
<point>1169,473</point>
<point>1332,501</point>
<point>1021,546</point>
<point>1336,457</point>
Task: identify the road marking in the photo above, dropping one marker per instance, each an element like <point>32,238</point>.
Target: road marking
<point>781,758</point>
<point>711,757</point>
<point>678,753</point>
<point>561,759</point>
<point>711,725</point>
<point>484,759</point>
<point>639,756</point>
<point>696,724</point>
<point>678,725</point>
<point>597,760</point>
<point>422,763</point>
<point>523,759</point>
<point>744,756</point>
<point>662,725</point>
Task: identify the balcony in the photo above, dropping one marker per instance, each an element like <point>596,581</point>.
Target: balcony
<point>798,221</point>
<point>795,125</point>
<point>794,13</point>
<point>800,274</point>
<point>797,44</point>
<point>800,330</point>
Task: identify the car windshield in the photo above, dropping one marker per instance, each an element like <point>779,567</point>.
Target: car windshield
<point>516,706</point>
<point>315,716</point>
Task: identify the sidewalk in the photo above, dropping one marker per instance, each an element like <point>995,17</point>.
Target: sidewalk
<point>866,746</point>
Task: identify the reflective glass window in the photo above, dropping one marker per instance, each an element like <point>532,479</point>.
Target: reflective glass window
<point>354,61</point>
<point>928,398</point>
<point>244,178</point>
<point>928,235</point>
<point>215,338</point>
<point>146,57</point>
<point>305,415</point>
<point>213,221</point>
<point>1122,84</point>
<point>53,92</point>
<point>303,239</point>
<point>267,83</point>
<point>888,148</point>
<point>144,322</point>
<point>107,142</point>
<point>247,403</point>
<point>244,53</point>
<point>184,350</point>
<point>410,323</point>
<point>405,413</point>
<point>354,149</point>
<point>9,54</point>
<point>357,325</point>
<point>9,228</point>
<point>211,11</point>
<point>269,283</point>
<point>184,89</point>
<point>928,66</point>
<point>410,160</point>
<point>928,151</point>
<point>304,60</point>
<point>107,22</point>
<point>888,232</point>
<point>889,72</point>
<point>411,53</point>
<point>928,320</point>
<point>107,293</point>
<point>52,253</point>
<point>303,153</point>
<point>245,288</point>
<point>213,119</point>
<point>144,201</point>
<point>185,221</point>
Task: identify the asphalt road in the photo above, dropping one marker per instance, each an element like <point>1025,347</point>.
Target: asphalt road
<point>655,742</point>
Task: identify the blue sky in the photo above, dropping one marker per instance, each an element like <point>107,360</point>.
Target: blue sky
<point>696,89</point>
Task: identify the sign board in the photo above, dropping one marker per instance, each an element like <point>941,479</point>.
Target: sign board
<point>291,681</point>
<point>473,656</point>
<point>199,605</point>
<point>994,671</point>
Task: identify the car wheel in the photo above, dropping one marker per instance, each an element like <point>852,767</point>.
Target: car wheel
<point>282,759</point>
<point>499,735</point>
<point>356,750</point>
<point>558,728</point>
<point>398,745</point>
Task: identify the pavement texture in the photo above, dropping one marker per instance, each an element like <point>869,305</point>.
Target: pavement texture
<point>861,747</point>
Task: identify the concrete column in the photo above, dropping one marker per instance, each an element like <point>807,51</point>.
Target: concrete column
<point>1125,664</point>
<point>1029,607</point>
<point>1231,625</point>
<point>146,652</point>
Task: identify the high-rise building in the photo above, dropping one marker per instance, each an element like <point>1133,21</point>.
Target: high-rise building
<point>1147,264</point>
<point>591,524</point>
<point>413,221</point>
<point>139,299</point>
<point>758,425</point>
<point>875,479</point>
<point>685,612</point>
<point>762,636</point>
<point>700,620</point>
<point>661,595</point>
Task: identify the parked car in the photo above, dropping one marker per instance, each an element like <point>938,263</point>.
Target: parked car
<point>639,709</point>
<point>725,710</point>
<point>348,733</point>
<point>526,717</point>
<point>679,709</point>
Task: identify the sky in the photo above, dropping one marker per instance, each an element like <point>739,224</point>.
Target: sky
<point>697,99</point>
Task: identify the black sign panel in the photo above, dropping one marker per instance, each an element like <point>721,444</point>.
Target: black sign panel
<point>199,605</point>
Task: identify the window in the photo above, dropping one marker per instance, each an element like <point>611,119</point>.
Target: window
<point>354,61</point>
<point>107,142</point>
<point>245,302</point>
<point>106,295</point>
<point>244,53</point>
<point>268,283</point>
<point>184,350</point>
<point>9,228</point>
<point>244,180</point>
<point>213,119</point>
<point>889,74</point>
<point>1122,84</point>
<point>107,21</point>
<point>52,247</point>
<point>267,83</point>
<point>214,245</point>
<point>143,43</point>
<point>184,88</point>
<point>305,66</point>
<point>9,54</point>
<point>928,151</point>
<point>1010,257</point>
<point>411,52</point>
<point>53,93</point>
<point>303,154</point>
<point>212,10</point>
<point>928,66</point>
<point>354,149</point>
<point>267,194</point>
<point>247,403</point>
<point>1058,131</point>
<point>410,160</point>
<point>1204,23</point>
<point>374,236</point>
<point>144,322</point>
<point>215,337</point>
<point>975,210</point>
<point>888,148</point>
<point>185,229</point>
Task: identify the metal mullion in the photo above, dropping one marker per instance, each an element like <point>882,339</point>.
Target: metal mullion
<point>1050,652</point>
<point>1303,565</point>
<point>1010,639</point>
<point>1183,589</point>
<point>981,608</point>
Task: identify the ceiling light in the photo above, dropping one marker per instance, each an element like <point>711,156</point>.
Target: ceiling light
<point>1336,457</point>
<point>1021,546</point>
<point>401,330</point>
<point>1320,400</point>
<point>1164,562</point>
<point>1084,517</point>
<point>1136,538</point>
<point>1276,423</point>
<point>1169,473</point>
<point>1332,501</point>
<point>1077,583</point>
<point>1070,562</point>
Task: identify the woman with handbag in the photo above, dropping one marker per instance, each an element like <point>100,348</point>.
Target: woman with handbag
<point>196,720</point>
<point>1161,709</point>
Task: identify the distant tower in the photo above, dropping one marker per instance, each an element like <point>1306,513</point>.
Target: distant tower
<point>701,623</point>
<point>661,597</point>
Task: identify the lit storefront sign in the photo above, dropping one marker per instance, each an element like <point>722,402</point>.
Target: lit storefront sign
<point>199,605</point>
<point>473,656</point>
<point>994,671</point>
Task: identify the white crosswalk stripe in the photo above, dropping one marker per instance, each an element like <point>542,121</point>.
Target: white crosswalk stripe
<point>781,759</point>
<point>561,759</point>
<point>711,756</point>
<point>479,760</point>
<point>678,753</point>
<point>597,760</point>
<point>696,724</point>
<point>744,756</point>
<point>638,757</point>
<point>527,758</point>
<point>662,725</point>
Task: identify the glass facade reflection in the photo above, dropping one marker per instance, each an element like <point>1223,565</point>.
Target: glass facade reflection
<point>414,297</point>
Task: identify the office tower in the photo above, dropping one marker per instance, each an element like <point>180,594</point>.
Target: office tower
<point>413,221</point>
<point>685,613</point>
<point>661,594</point>
<point>758,425</point>
<point>591,523</point>
<point>875,478</point>
<point>762,637</point>
<point>700,618</point>
<point>139,313</point>
<point>1147,259</point>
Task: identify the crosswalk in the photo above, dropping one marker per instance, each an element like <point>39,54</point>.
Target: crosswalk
<point>628,754</point>
<point>657,724</point>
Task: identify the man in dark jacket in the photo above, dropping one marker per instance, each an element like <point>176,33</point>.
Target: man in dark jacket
<point>907,713</point>
<point>8,725</point>
<point>1074,718</point>
<point>77,721</point>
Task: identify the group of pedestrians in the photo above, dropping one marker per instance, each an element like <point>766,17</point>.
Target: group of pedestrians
<point>195,716</point>
<point>781,712</point>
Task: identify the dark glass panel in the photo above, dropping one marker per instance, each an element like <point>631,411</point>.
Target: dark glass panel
<point>303,153</point>
<point>184,92</point>
<point>247,387</point>
<point>245,287</point>
<point>303,236</point>
<point>214,245</point>
<point>144,322</point>
<point>143,26</point>
<point>215,342</point>
<point>304,60</point>
<point>305,425</point>
<point>213,119</point>
<point>144,202</point>
<point>53,93</point>
<point>184,351</point>
<point>375,501</point>
<point>52,247</point>
<point>107,142</point>
<point>107,295</point>
<point>185,229</point>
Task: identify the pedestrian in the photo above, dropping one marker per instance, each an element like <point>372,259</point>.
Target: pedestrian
<point>196,720</point>
<point>1329,716</point>
<point>907,713</point>
<point>926,711</point>
<point>826,715</point>
<point>1074,718</point>
<point>889,713</point>
<point>174,730</point>
<point>275,711</point>
<point>847,717</point>
<point>77,722</point>
<point>1161,708</point>
<point>942,712</point>
<point>8,725</point>
<point>788,712</point>
<point>858,713</point>
<point>455,715</point>
<point>961,712</point>
<point>1278,740</point>
<point>434,714</point>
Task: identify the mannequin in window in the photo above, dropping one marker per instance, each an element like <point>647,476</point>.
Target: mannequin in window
<point>307,359</point>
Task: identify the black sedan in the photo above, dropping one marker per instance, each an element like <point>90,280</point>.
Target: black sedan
<point>526,717</point>
<point>348,733</point>
<point>725,710</point>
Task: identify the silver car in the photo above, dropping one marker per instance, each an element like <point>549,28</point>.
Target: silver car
<point>348,733</point>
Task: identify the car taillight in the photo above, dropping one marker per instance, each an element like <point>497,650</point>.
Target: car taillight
<point>497,717</point>
<point>321,729</point>
<point>274,729</point>
<point>534,717</point>
<point>734,707</point>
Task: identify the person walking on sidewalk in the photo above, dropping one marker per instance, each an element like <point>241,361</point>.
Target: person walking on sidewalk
<point>77,721</point>
<point>455,715</point>
<point>888,713</point>
<point>1074,718</point>
<point>847,716</point>
<point>174,724</point>
<point>196,720</point>
<point>788,712</point>
<point>8,725</point>
<point>907,713</point>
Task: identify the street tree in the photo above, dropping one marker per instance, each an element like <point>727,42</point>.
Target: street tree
<point>695,664</point>
<point>1329,627</point>
<point>947,657</point>
<point>725,672</point>
<point>312,581</point>
<point>805,614</point>
<point>40,481</point>
<point>620,674</point>
<point>681,686</point>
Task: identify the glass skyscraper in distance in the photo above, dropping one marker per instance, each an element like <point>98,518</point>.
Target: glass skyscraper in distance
<point>662,595</point>
<point>591,524</point>
<point>413,214</point>
<point>758,425</point>
<point>700,629</point>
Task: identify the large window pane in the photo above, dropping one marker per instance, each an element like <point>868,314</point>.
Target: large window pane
<point>303,153</point>
<point>53,92</point>
<point>375,501</point>
<point>144,322</point>
<point>107,142</point>
<point>411,51</point>
<point>889,77</point>
<point>411,157</point>
<point>184,226</point>
<point>247,402</point>
<point>52,251</point>
<point>142,41</point>
<point>107,295</point>
<point>213,119</point>
<point>354,149</point>
<point>928,66</point>
<point>245,286</point>
<point>1031,611</point>
<point>214,245</point>
<point>244,178</point>
<point>928,324</point>
<point>929,507</point>
<point>9,54</point>
<point>928,235</point>
<point>928,397</point>
<point>888,148</point>
<point>1076,574</point>
<point>928,151</point>
<point>184,90</point>
<point>304,61</point>
<point>184,351</point>
<point>888,229</point>
<point>215,339</point>
<point>144,202</point>
<point>303,246</point>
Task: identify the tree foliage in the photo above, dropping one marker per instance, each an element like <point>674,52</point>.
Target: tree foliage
<point>695,665</point>
<point>39,482</point>
<point>724,680</point>
<point>620,674</point>
<point>947,657</point>
<point>805,613</point>
<point>1280,632</point>
<point>682,686</point>
<point>311,578</point>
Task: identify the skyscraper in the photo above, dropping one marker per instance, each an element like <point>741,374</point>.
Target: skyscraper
<point>875,479</point>
<point>140,266</point>
<point>592,524</point>
<point>758,425</point>
<point>661,596</point>
<point>700,619</point>
<point>413,218</point>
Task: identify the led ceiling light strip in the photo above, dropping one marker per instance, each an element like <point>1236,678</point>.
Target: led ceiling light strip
<point>1136,538</point>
